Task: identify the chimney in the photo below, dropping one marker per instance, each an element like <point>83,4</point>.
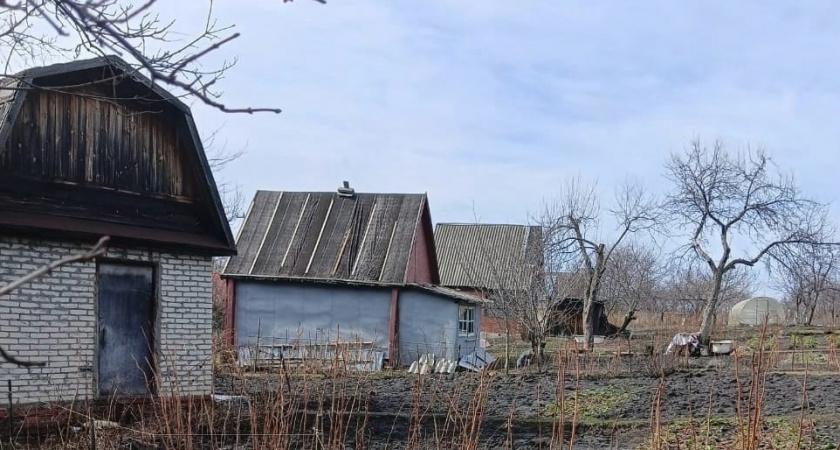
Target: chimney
<point>346,190</point>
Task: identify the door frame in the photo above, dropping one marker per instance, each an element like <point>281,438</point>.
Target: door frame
<point>154,341</point>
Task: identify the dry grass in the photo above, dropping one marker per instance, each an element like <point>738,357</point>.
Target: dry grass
<point>330,408</point>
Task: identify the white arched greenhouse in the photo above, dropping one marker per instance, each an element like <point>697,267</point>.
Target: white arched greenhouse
<point>755,310</point>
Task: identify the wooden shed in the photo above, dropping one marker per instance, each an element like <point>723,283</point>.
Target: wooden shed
<point>318,269</point>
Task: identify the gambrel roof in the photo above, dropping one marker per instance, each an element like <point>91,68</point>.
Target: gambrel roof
<point>92,147</point>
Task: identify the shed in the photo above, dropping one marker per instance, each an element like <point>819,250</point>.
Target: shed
<point>321,269</point>
<point>484,259</point>
<point>87,149</point>
<point>755,311</point>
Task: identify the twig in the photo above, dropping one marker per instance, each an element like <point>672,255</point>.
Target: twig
<point>97,250</point>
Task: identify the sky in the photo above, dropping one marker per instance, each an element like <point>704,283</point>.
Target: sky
<point>491,106</point>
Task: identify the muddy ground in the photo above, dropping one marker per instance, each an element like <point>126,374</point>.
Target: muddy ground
<point>615,404</point>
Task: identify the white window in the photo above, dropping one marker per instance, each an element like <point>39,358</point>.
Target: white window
<point>466,321</point>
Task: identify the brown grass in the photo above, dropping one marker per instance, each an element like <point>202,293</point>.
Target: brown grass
<point>330,408</point>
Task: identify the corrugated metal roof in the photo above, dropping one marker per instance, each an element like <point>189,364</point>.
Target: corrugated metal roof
<point>453,294</point>
<point>321,235</point>
<point>484,256</point>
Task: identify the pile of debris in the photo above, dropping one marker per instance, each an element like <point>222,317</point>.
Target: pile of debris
<point>428,363</point>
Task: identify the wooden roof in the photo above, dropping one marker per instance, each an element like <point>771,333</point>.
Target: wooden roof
<point>325,236</point>
<point>92,147</point>
<point>484,256</point>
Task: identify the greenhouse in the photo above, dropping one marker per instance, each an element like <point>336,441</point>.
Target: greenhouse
<point>755,310</point>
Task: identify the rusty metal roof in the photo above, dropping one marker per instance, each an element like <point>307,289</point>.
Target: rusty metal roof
<point>484,256</point>
<point>326,236</point>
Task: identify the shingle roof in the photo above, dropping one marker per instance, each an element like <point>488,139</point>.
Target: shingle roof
<point>321,235</point>
<point>475,255</point>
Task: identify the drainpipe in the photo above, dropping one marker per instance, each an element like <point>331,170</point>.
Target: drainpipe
<point>393,329</point>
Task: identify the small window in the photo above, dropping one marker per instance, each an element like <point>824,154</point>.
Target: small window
<point>466,321</point>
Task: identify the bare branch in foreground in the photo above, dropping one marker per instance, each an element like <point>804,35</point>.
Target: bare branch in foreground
<point>97,250</point>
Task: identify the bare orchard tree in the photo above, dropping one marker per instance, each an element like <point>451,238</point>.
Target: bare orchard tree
<point>807,274</point>
<point>35,30</point>
<point>720,197</point>
<point>687,286</point>
<point>633,280</point>
<point>575,222</point>
<point>522,292</point>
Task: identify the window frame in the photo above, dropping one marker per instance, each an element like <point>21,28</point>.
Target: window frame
<point>466,326</point>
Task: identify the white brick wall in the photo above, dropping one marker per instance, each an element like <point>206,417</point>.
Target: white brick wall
<point>52,319</point>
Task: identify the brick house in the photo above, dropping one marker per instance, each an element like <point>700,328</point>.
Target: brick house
<point>316,268</point>
<point>89,149</point>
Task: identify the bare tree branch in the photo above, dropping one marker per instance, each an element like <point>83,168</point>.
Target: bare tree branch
<point>97,250</point>
<point>130,29</point>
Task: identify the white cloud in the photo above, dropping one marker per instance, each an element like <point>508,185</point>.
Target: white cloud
<point>494,103</point>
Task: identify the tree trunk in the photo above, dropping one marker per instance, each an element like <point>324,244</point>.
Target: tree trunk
<point>588,325</point>
<point>507,345</point>
<point>709,309</point>
<point>629,317</point>
<point>811,310</point>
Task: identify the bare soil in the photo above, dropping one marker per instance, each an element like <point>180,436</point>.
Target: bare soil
<point>615,405</point>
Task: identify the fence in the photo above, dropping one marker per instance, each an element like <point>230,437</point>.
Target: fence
<point>268,352</point>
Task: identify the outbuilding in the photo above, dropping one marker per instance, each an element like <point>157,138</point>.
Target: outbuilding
<point>485,259</point>
<point>756,311</point>
<point>91,149</point>
<point>317,270</point>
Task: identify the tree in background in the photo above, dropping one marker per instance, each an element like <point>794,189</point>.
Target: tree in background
<point>807,274</point>
<point>686,288</point>
<point>575,225</point>
<point>519,292</point>
<point>634,280</point>
<point>720,197</point>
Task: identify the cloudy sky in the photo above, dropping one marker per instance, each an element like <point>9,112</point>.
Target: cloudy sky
<point>489,106</point>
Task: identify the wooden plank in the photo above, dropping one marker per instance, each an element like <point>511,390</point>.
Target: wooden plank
<point>278,236</point>
<point>400,248</point>
<point>254,228</point>
<point>310,233</point>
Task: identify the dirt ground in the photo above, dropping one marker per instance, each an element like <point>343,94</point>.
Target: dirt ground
<point>616,402</point>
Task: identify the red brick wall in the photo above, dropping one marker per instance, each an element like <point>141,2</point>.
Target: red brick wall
<point>497,325</point>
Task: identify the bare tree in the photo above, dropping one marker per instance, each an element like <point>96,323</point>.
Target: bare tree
<point>807,274</point>
<point>634,280</point>
<point>687,285</point>
<point>575,224</point>
<point>32,30</point>
<point>219,156</point>
<point>720,197</point>
<point>97,250</point>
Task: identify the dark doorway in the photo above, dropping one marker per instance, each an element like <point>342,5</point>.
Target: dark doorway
<point>126,329</point>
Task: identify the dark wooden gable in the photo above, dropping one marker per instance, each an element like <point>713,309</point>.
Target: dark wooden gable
<point>92,148</point>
